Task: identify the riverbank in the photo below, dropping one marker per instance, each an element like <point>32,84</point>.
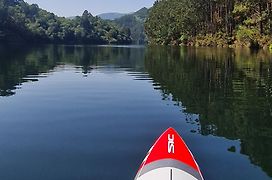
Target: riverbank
<point>240,40</point>
<point>252,41</point>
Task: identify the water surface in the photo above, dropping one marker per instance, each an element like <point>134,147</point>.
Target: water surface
<point>92,112</point>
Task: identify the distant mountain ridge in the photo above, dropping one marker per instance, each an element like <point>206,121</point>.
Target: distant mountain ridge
<point>111,16</point>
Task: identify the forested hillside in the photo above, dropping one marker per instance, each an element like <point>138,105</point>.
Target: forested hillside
<point>211,22</point>
<point>21,22</point>
<point>110,16</point>
<point>135,23</point>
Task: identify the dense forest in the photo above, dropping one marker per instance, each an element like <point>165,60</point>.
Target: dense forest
<point>135,23</point>
<point>224,23</point>
<point>21,22</point>
<point>211,23</point>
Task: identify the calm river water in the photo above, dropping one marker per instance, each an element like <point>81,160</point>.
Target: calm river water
<point>92,112</point>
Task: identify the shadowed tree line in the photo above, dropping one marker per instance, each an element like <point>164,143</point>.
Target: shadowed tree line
<point>230,90</point>
<point>134,23</point>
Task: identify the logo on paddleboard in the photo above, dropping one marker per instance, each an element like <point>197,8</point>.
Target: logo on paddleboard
<point>171,143</point>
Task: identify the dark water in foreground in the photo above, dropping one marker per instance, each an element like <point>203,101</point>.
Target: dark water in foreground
<point>92,113</point>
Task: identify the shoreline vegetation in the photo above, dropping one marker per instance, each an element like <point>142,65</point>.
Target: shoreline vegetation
<point>21,22</point>
<point>208,23</point>
<point>223,23</point>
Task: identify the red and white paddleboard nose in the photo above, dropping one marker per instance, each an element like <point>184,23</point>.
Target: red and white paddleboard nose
<point>169,159</point>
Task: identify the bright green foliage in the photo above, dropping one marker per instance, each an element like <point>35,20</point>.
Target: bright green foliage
<point>270,47</point>
<point>245,34</point>
<point>24,22</point>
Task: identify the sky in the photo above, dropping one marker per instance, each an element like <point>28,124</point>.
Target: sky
<point>76,7</point>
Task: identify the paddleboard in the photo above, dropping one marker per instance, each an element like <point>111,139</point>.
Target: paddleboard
<point>169,159</point>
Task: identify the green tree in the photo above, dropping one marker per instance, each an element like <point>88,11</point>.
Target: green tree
<point>169,19</point>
